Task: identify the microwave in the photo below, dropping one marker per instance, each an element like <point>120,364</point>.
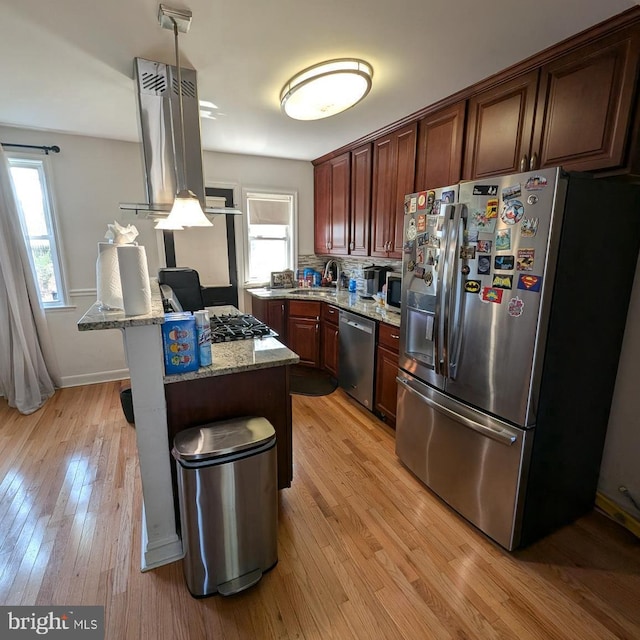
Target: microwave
<point>394,290</point>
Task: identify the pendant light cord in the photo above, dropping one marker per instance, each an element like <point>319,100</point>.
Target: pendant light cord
<point>183,186</point>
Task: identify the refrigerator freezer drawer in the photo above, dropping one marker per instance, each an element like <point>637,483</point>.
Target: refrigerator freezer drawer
<point>474,462</point>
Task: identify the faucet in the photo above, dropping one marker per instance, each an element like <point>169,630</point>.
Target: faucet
<point>326,271</point>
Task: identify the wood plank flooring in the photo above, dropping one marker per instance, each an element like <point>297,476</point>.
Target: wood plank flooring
<point>365,551</point>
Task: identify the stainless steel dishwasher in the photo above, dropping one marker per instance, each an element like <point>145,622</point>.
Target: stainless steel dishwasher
<point>357,339</point>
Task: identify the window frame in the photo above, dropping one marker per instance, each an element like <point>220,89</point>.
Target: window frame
<point>292,235</point>
<point>43,165</point>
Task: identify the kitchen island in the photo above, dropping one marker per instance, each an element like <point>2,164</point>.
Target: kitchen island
<point>248,377</point>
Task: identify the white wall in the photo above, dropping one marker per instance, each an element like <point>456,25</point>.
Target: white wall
<point>91,177</point>
<point>621,460</point>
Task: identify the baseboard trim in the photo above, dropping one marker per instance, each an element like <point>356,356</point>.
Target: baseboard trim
<point>94,378</point>
<point>616,512</point>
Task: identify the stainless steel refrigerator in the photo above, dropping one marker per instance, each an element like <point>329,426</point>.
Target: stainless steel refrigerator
<point>515,295</point>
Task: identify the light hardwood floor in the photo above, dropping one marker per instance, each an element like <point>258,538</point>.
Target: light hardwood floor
<point>365,551</point>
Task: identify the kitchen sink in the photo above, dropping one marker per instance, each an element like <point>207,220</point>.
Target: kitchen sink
<point>313,292</point>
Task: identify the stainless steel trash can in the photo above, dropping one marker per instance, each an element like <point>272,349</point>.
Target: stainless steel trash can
<point>227,483</point>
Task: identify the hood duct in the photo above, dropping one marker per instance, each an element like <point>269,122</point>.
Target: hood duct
<point>159,118</point>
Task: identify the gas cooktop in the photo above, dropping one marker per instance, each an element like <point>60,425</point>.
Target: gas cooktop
<point>225,328</point>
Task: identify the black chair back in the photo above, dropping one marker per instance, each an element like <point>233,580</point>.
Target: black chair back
<point>185,283</point>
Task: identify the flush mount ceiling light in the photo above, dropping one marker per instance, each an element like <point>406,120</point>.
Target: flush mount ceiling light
<point>327,88</point>
<point>186,210</point>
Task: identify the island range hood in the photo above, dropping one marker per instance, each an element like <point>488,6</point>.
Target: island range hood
<point>159,118</point>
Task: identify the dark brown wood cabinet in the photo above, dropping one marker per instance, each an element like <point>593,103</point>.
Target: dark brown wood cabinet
<point>576,111</point>
<point>360,223</point>
<point>332,195</point>
<point>330,336</point>
<point>303,331</point>
<point>440,142</point>
<point>273,313</point>
<point>585,105</point>
<point>386,371</point>
<point>394,164</point>
<point>500,127</point>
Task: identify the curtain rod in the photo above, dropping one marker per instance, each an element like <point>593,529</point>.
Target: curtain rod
<point>53,149</point>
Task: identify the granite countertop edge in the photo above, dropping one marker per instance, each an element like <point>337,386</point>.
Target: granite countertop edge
<point>341,299</point>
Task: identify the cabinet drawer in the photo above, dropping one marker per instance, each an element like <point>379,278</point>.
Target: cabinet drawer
<point>330,313</point>
<point>304,309</point>
<point>389,336</point>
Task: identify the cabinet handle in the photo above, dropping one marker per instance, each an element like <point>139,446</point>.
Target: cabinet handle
<point>523,163</point>
<point>395,336</point>
<point>534,162</point>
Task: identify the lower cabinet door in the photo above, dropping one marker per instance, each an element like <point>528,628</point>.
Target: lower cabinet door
<point>386,387</point>
<point>330,348</point>
<point>303,337</point>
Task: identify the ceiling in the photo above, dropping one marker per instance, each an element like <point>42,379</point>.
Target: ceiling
<point>67,65</point>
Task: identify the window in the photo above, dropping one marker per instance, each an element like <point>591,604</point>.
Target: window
<point>270,234</point>
<point>37,222</point>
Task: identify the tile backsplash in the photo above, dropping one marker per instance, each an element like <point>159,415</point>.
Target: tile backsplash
<point>348,264</point>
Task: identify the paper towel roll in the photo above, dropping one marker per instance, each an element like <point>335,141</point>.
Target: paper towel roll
<point>134,279</point>
<point>108,277</point>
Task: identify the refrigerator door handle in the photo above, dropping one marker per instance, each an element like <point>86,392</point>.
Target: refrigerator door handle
<point>439,357</point>
<point>452,215</point>
<point>495,433</point>
<point>456,295</point>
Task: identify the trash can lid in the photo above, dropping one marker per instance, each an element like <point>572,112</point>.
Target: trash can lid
<point>221,438</point>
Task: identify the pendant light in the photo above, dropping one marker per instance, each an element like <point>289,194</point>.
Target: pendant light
<point>186,210</point>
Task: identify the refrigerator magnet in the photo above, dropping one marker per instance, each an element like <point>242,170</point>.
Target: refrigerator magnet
<point>448,196</point>
<point>431,198</point>
<point>535,183</point>
<point>485,189</point>
<point>529,226</point>
<point>525,259</point>
<point>491,210</point>
<point>516,307</point>
<point>478,220</point>
<point>407,247</point>
<point>436,208</point>
<point>422,239</point>
<point>407,205</point>
<point>411,230</point>
<point>529,282</point>
<point>411,265</point>
<point>419,272</point>
<point>509,193</point>
<point>512,212</point>
<point>422,200</point>
<point>471,234</point>
<point>428,277</point>
<point>502,282</point>
<point>422,223</point>
<point>484,246</point>
<point>484,265</point>
<point>503,240</point>
<point>504,263</point>
<point>420,257</point>
<point>490,294</point>
<point>472,286</point>
<point>532,199</point>
<point>467,253</point>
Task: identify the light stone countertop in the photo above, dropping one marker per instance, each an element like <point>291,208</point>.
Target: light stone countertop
<point>227,357</point>
<point>342,299</point>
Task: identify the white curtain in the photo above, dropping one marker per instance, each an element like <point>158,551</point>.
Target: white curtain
<point>28,370</point>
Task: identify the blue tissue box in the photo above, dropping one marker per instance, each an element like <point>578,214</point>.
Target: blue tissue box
<point>180,343</point>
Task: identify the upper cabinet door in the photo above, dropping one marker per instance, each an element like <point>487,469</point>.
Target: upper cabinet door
<point>585,105</point>
<point>340,204</point>
<point>322,207</point>
<point>499,128</point>
<point>385,152</point>
<point>361,167</point>
<point>440,139</point>
<point>332,191</point>
<point>405,178</point>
